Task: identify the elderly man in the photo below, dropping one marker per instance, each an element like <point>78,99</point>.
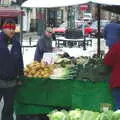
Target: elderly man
<point>44,44</point>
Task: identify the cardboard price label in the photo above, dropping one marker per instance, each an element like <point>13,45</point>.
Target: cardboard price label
<point>48,58</point>
<point>105,107</point>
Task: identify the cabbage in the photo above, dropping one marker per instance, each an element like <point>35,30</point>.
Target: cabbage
<point>88,115</point>
<point>107,115</point>
<point>93,115</point>
<point>98,117</point>
<point>116,115</point>
<point>78,114</point>
<point>57,115</point>
<point>74,114</point>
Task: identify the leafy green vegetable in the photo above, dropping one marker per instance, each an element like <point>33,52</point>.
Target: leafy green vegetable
<point>107,115</point>
<point>88,115</point>
<point>116,115</point>
<point>74,114</point>
<point>57,115</point>
<point>78,114</point>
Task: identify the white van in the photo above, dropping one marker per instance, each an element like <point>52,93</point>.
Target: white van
<point>87,17</point>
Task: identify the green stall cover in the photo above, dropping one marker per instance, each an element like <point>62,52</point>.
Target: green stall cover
<point>42,95</point>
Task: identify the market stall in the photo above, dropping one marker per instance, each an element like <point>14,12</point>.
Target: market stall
<point>73,83</point>
<point>41,95</point>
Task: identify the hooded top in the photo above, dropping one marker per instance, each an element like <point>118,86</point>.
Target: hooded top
<point>11,61</point>
<point>112,59</point>
<point>111,33</point>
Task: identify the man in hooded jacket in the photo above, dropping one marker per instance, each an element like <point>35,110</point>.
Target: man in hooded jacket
<point>11,67</point>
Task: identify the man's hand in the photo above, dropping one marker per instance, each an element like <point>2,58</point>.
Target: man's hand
<point>19,83</point>
<point>55,49</point>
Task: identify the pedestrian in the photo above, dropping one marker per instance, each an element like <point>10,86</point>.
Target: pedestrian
<point>112,32</point>
<point>112,60</point>
<point>11,67</point>
<point>44,44</point>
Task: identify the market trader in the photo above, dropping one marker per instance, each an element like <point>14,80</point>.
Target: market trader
<point>11,67</point>
<point>44,44</point>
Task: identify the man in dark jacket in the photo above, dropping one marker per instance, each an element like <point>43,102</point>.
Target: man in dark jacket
<point>112,33</point>
<point>11,67</point>
<point>44,44</point>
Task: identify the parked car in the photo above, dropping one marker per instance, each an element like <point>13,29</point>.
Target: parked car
<point>78,25</point>
<point>63,27</point>
<point>94,27</point>
<point>87,17</point>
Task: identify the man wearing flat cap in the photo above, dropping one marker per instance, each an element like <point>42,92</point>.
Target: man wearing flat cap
<point>11,67</point>
<point>44,44</point>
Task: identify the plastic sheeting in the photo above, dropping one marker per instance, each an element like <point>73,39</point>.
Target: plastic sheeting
<point>43,95</point>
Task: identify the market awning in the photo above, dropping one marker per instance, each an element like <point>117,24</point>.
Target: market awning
<point>60,3</point>
<point>5,12</point>
<point>112,8</point>
<point>52,3</point>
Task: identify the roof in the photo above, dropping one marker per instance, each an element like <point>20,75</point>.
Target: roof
<point>7,12</point>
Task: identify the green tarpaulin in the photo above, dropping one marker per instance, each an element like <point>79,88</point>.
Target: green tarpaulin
<point>42,95</point>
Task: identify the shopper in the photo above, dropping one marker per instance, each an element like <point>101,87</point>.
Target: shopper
<point>11,67</point>
<point>112,32</point>
<point>44,44</point>
<point>112,60</point>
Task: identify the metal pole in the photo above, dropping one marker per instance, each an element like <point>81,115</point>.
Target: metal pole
<point>98,42</point>
<point>21,28</point>
<point>40,21</point>
<point>71,17</point>
<point>84,38</point>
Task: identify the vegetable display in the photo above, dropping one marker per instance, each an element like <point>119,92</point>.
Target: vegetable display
<point>66,67</point>
<point>38,69</point>
<point>78,114</point>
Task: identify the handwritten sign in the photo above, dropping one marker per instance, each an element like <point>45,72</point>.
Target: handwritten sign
<point>49,58</point>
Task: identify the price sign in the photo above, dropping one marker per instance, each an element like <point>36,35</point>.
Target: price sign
<point>49,58</point>
<point>105,107</point>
